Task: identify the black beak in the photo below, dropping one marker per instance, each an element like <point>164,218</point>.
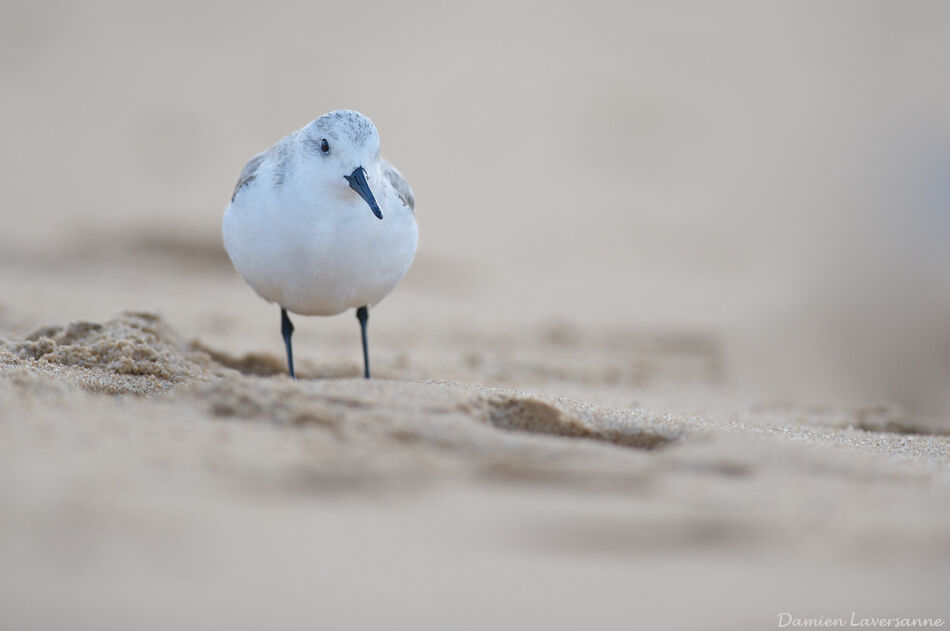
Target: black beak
<point>358,183</point>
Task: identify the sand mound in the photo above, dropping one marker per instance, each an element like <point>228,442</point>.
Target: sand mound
<point>438,414</point>
<point>135,353</point>
<point>532,415</point>
<point>272,365</point>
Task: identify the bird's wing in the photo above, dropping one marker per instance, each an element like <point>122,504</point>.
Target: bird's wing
<point>248,173</point>
<point>399,183</point>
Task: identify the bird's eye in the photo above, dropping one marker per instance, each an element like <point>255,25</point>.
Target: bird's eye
<point>324,146</point>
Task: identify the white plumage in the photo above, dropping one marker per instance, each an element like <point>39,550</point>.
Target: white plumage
<point>303,238</point>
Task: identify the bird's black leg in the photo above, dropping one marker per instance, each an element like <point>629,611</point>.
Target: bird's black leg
<point>287,329</point>
<point>362,314</point>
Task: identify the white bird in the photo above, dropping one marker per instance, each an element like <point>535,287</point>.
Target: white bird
<point>320,223</point>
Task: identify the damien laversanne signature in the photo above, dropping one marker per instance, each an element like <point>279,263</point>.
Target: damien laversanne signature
<point>786,619</point>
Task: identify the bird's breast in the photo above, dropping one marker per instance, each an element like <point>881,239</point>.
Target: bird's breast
<point>320,258</point>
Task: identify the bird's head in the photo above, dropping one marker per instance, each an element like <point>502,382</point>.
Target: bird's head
<point>345,151</point>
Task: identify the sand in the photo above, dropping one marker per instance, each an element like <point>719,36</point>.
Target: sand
<point>152,482</point>
<point>672,355</point>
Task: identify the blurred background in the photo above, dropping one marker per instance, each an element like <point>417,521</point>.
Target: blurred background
<point>774,175</point>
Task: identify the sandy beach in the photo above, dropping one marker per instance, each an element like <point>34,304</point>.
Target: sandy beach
<point>674,352</point>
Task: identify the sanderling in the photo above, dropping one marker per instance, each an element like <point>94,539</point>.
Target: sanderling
<point>320,223</point>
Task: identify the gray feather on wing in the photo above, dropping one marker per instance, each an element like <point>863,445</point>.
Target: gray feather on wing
<point>248,173</point>
<point>399,183</point>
